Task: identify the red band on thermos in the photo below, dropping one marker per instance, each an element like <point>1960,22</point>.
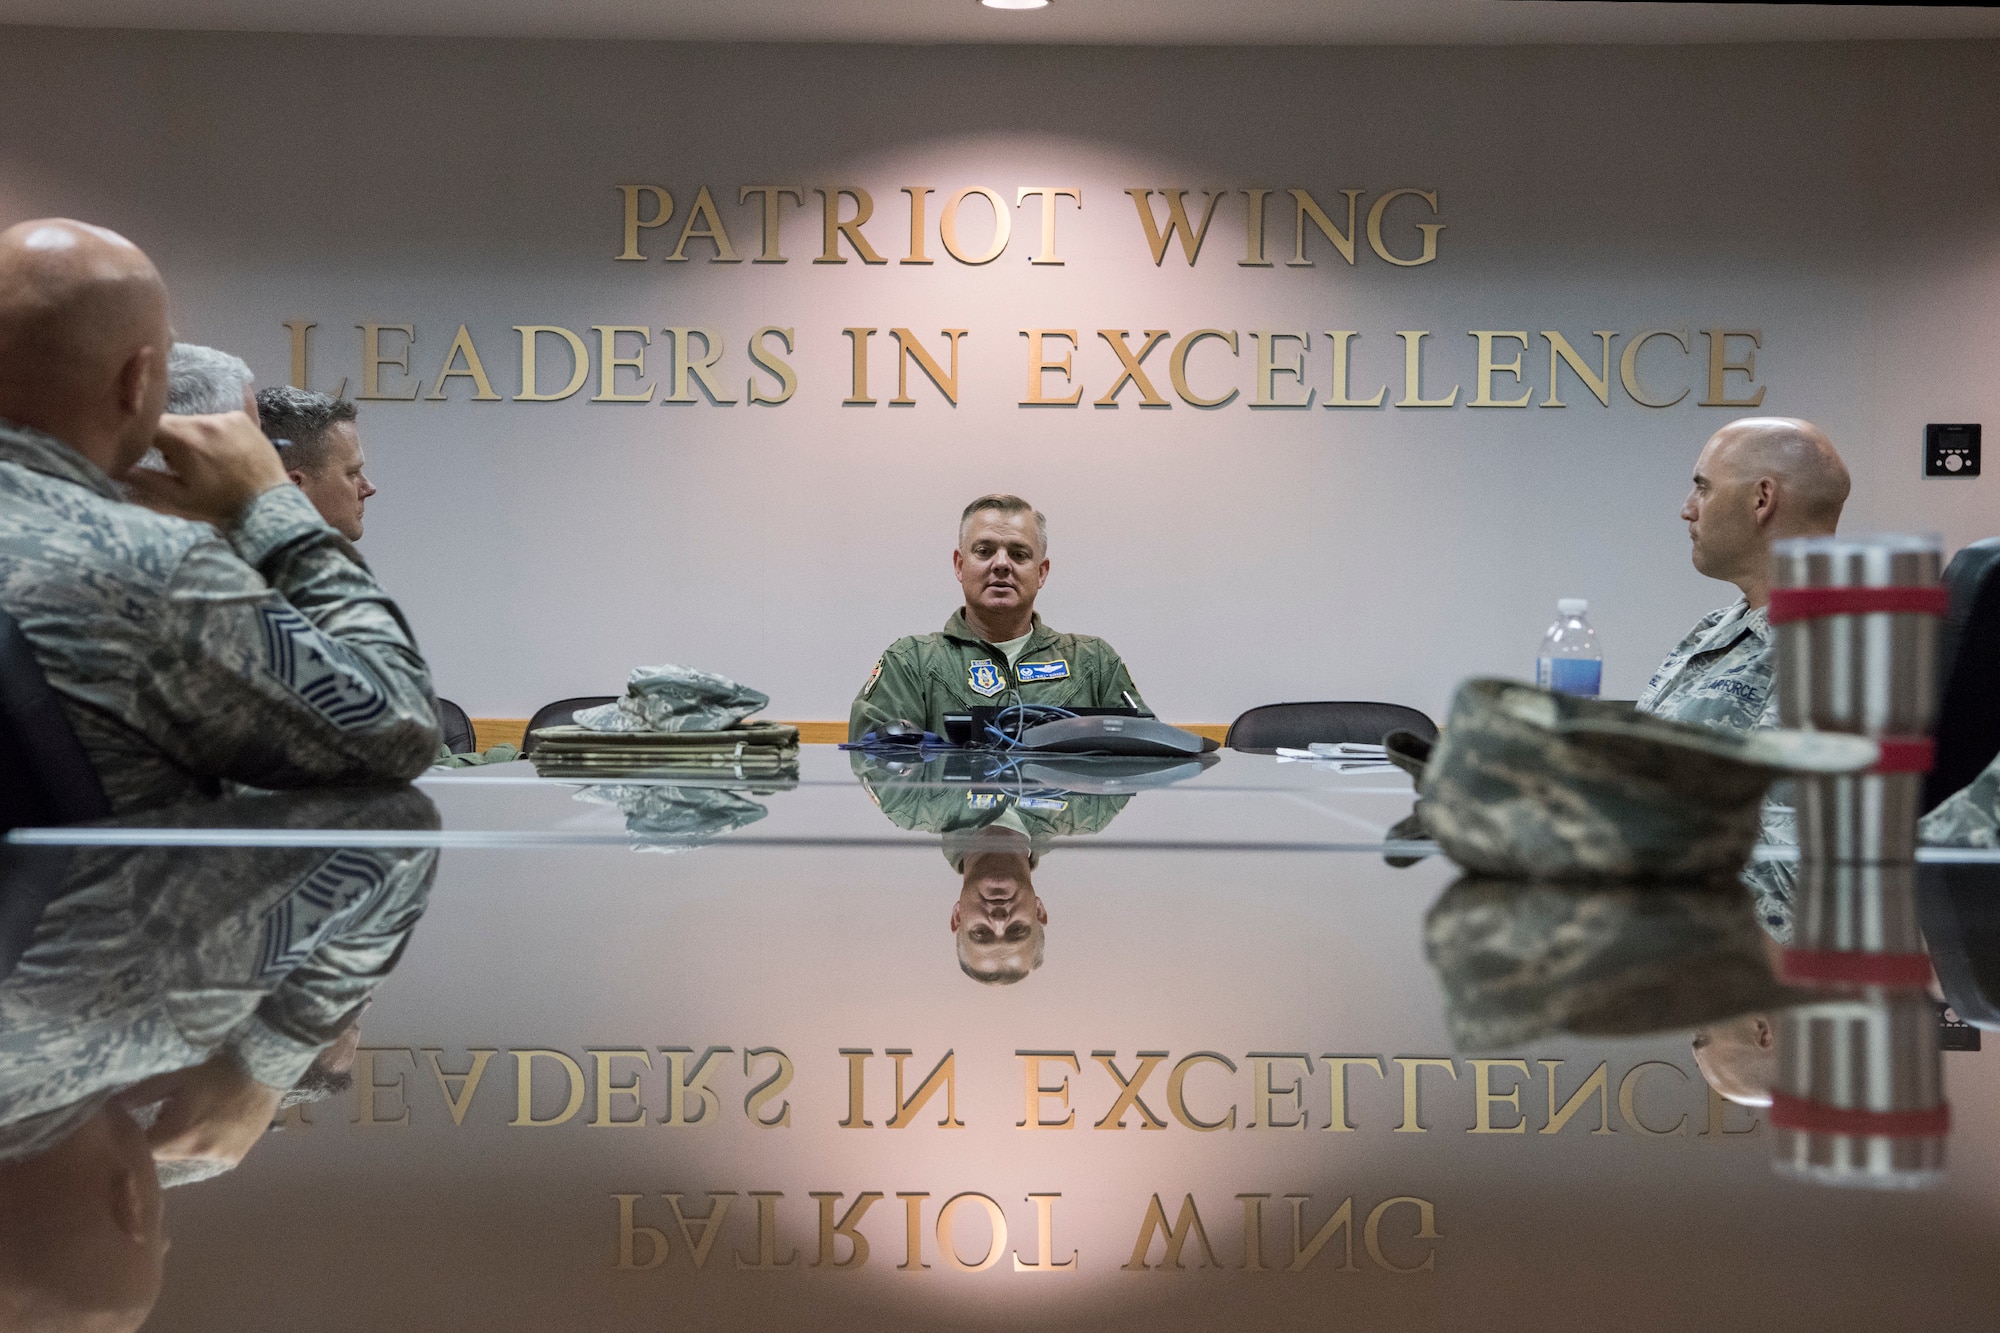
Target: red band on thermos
<point>1846,968</point>
<point>1789,1112</point>
<point>1904,754</point>
<point>1789,604</point>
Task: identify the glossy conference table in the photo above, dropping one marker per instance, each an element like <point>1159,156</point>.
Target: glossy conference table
<point>619,1081</point>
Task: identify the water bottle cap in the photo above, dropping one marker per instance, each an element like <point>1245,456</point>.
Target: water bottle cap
<point>1572,606</point>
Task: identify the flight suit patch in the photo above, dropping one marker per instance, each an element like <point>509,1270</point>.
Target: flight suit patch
<point>1056,670</point>
<point>873,677</point>
<point>985,678</point>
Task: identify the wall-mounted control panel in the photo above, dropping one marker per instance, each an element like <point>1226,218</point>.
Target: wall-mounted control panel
<point>1951,451</point>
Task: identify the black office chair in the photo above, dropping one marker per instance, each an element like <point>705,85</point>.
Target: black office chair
<point>1967,730</point>
<point>559,714</point>
<point>457,728</point>
<point>1294,726</point>
<point>45,776</point>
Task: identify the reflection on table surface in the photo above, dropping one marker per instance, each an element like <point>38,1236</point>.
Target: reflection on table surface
<point>917,1046</point>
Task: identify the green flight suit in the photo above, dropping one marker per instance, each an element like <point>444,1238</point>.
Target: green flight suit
<point>921,798</point>
<point>924,676</point>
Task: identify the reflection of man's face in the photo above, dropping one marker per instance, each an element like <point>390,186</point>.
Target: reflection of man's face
<point>998,919</point>
<point>1739,1058</point>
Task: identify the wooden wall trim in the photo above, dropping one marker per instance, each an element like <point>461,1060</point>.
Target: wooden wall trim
<point>491,731</point>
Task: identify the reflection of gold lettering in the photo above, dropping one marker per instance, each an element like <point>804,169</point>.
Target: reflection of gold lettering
<point>524,1088</point>
<point>1719,366</point>
<point>1487,368</point>
<point>1177,222</point>
<point>681,1081</point>
<point>663,208</point>
<point>996,1245</point>
<point>1188,1222</point>
<point>1484,1098</point>
<point>1253,1231</point>
<point>1003,223</point>
<point>1337,1118</point>
<point>1045,1230</point>
<point>943,1075</point>
<point>1426,1230</point>
<point>1412,1066</point>
<point>773,221</point>
<point>1176,1091</point>
<point>606,1089</point>
<point>713,232</point>
<point>856,1086</point>
<point>778,368</point>
<point>766,1092</point>
<point>609,363</point>
<point>1049,195</point>
<point>1307,206</point>
<point>1253,238</point>
<point>1413,372</point>
<point>373,359</point>
<point>857,1253</point>
<point>907,347</point>
<point>1339,398</point>
<point>1595,1083</point>
<point>711,1225</point>
<point>1177,366</point>
<point>1341,1223</point>
<point>767,1235</point>
<point>1033,1093</point>
<point>629,1234</point>
<point>858,343</point>
<point>1719,1108</point>
<point>703,369</point>
<point>468,1082</point>
<point>1599,383</point>
<point>1129,368</point>
<point>579,360</point>
<point>918,194</point>
<point>1268,368</point>
<point>913,1231</point>
<point>367,1089</point>
<point>1128,1090</point>
<point>1264,1097</point>
<point>1039,365</point>
<point>1628,366</point>
<point>833,228</point>
<point>1429,229</point>
<point>1628,1089</point>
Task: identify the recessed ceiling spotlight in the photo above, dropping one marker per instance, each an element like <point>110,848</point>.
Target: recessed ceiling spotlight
<point>1015,4</point>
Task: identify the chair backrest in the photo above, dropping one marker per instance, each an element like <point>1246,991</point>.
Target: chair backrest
<point>1294,726</point>
<point>45,775</point>
<point>456,727</point>
<point>560,713</point>
<point>1967,730</point>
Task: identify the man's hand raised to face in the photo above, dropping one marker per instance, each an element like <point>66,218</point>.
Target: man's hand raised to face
<point>219,465</point>
<point>213,1111</point>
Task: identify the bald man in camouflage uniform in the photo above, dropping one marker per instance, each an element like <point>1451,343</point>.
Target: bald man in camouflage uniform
<point>1758,480</point>
<point>216,630</point>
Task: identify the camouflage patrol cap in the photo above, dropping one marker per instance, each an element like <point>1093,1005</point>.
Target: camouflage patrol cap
<point>1526,783</point>
<point>674,817</point>
<point>1522,959</point>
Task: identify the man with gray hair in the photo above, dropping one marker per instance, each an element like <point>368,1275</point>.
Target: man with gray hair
<point>322,452</point>
<point>202,381</point>
<point>994,651</point>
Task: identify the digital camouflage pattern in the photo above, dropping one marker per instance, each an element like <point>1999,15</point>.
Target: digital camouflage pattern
<point>678,817</point>
<point>151,959</point>
<point>924,676</point>
<point>1969,817</point>
<point>1721,675</point>
<point>1521,960</point>
<point>1526,783</point>
<point>270,658</point>
<point>915,795</point>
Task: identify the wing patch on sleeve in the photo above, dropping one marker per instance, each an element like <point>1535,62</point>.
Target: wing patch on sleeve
<point>319,671</point>
<point>343,887</point>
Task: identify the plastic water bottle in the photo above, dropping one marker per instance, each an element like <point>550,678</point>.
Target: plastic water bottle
<point>1571,662</point>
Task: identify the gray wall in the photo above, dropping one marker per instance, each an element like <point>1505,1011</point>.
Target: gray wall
<point>1840,198</point>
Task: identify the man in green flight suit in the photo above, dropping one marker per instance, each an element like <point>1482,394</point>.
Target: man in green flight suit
<point>995,650</point>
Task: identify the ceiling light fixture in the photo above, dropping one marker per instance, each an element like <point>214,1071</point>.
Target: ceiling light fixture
<point>1015,4</point>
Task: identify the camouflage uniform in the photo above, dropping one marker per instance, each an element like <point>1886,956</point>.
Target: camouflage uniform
<point>1723,675</point>
<point>270,657</point>
<point>923,677</point>
<point>1969,817</point>
<point>919,797</point>
<point>152,959</point>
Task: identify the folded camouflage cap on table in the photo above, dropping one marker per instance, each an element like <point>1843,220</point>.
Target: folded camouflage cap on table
<point>1527,783</point>
<point>674,698</point>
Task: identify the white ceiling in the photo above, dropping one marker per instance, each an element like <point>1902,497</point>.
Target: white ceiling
<point>1162,22</point>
